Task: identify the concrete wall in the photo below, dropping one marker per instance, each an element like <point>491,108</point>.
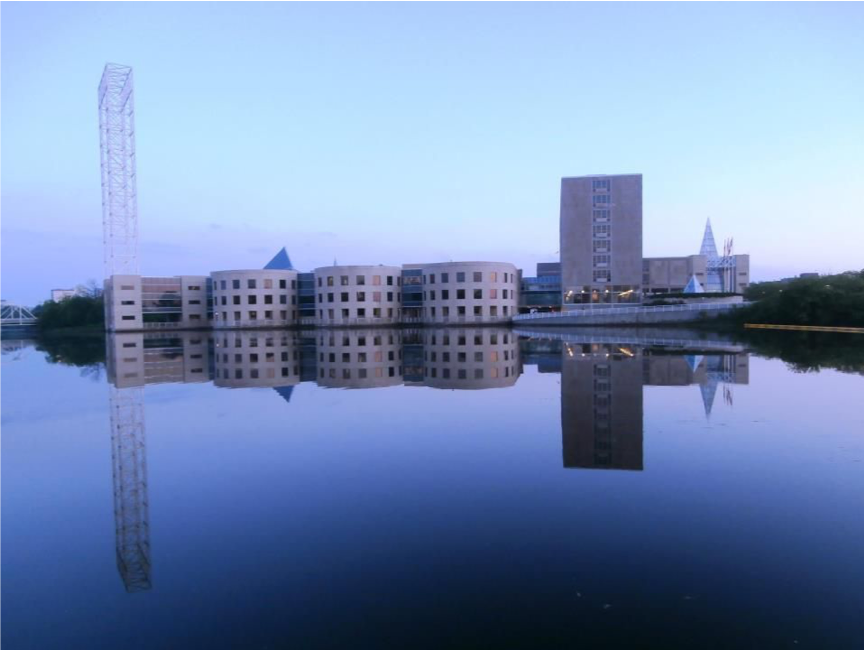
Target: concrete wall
<point>671,274</point>
<point>123,303</point>
<point>352,358</point>
<point>471,358</point>
<point>457,292</point>
<point>584,228</point>
<point>346,295</point>
<point>254,298</point>
<point>256,359</point>
<point>601,407</point>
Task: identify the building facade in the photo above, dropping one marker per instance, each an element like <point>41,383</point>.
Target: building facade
<point>254,298</point>
<point>358,295</point>
<point>601,239</point>
<point>135,302</point>
<point>461,292</point>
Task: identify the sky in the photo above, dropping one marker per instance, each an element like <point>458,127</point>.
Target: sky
<point>402,133</point>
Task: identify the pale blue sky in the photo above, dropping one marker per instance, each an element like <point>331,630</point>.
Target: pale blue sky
<point>396,133</point>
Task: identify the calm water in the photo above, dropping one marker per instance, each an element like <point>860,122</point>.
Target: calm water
<point>450,488</point>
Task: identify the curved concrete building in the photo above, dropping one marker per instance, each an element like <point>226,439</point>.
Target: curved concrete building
<point>265,359</point>
<point>357,295</point>
<point>359,359</point>
<point>470,292</point>
<point>471,358</point>
<point>254,298</point>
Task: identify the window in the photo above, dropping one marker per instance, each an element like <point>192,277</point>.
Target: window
<point>361,296</point>
<point>504,292</point>
<point>600,216</point>
<point>268,283</point>
<point>600,185</point>
<point>601,200</point>
<point>602,276</point>
<point>253,300</point>
<point>235,300</point>
<point>432,295</point>
<point>493,310</point>
<point>128,318</point>
<point>478,294</point>
<point>224,300</point>
<point>376,295</point>
<point>268,299</point>
<point>194,287</point>
<point>460,310</point>
<point>344,296</point>
<point>283,299</point>
<point>223,285</point>
<point>493,293</point>
<point>460,294</point>
<point>460,276</point>
<point>194,316</point>
<point>602,246</point>
<point>478,276</point>
<point>493,276</point>
<point>478,310</point>
<point>235,284</point>
<point>236,315</point>
<point>361,312</point>
<point>253,358</point>
<point>601,230</point>
<point>601,260</point>
<point>445,294</point>
<point>130,345</point>
<point>376,280</point>
<point>361,279</point>
<point>329,280</point>
<point>250,283</point>
<point>253,315</point>
<point>389,280</point>
<point>268,315</point>
<point>389,296</point>
<point>127,302</point>
<point>445,277</point>
<point>343,280</point>
<point>283,284</point>
<point>431,278</point>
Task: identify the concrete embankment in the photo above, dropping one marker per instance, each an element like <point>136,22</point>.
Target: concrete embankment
<point>633,316</point>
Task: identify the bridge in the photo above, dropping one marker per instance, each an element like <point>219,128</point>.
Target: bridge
<point>15,316</point>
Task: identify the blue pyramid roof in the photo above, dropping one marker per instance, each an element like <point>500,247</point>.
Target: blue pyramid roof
<point>694,286</point>
<point>280,262</point>
<point>284,392</point>
<point>708,248</point>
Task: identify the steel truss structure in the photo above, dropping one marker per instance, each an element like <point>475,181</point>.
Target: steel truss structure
<point>12,314</point>
<point>117,155</point>
<point>131,505</point>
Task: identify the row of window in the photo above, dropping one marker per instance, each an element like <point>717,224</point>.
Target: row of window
<point>254,357</point>
<point>252,283</point>
<point>461,310</point>
<point>477,276</point>
<point>360,312</point>
<point>253,342</point>
<point>362,373</point>
<point>252,315</point>
<point>360,296</point>
<point>601,184</point>
<point>461,339</point>
<point>254,373</point>
<point>461,373</point>
<point>476,293</point>
<point>344,280</point>
<point>462,357</point>
<point>361,340</point>
<point>252,299</point>
<point>361,357</point>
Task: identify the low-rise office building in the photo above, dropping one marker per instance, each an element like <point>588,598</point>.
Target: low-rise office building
<point>254,298</point>
<point>135,302</point>
<point>462,292</point>
<point>352,295</point>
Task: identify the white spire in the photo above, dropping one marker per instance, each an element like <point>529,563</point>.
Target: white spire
<point>709,248</point>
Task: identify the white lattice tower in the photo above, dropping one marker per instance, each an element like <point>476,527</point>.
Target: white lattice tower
<point>131,506</point>
<point>119,193</point>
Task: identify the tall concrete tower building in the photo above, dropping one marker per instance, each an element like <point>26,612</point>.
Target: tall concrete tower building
<point>601,239</point>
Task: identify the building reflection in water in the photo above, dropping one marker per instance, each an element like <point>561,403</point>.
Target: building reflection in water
<point>602,400</point>
<point>601,389</point>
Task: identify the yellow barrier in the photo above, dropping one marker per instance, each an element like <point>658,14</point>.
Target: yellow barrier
<point>806,328</point>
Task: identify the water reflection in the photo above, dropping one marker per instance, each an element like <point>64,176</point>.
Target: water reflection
<point>601,388</point>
